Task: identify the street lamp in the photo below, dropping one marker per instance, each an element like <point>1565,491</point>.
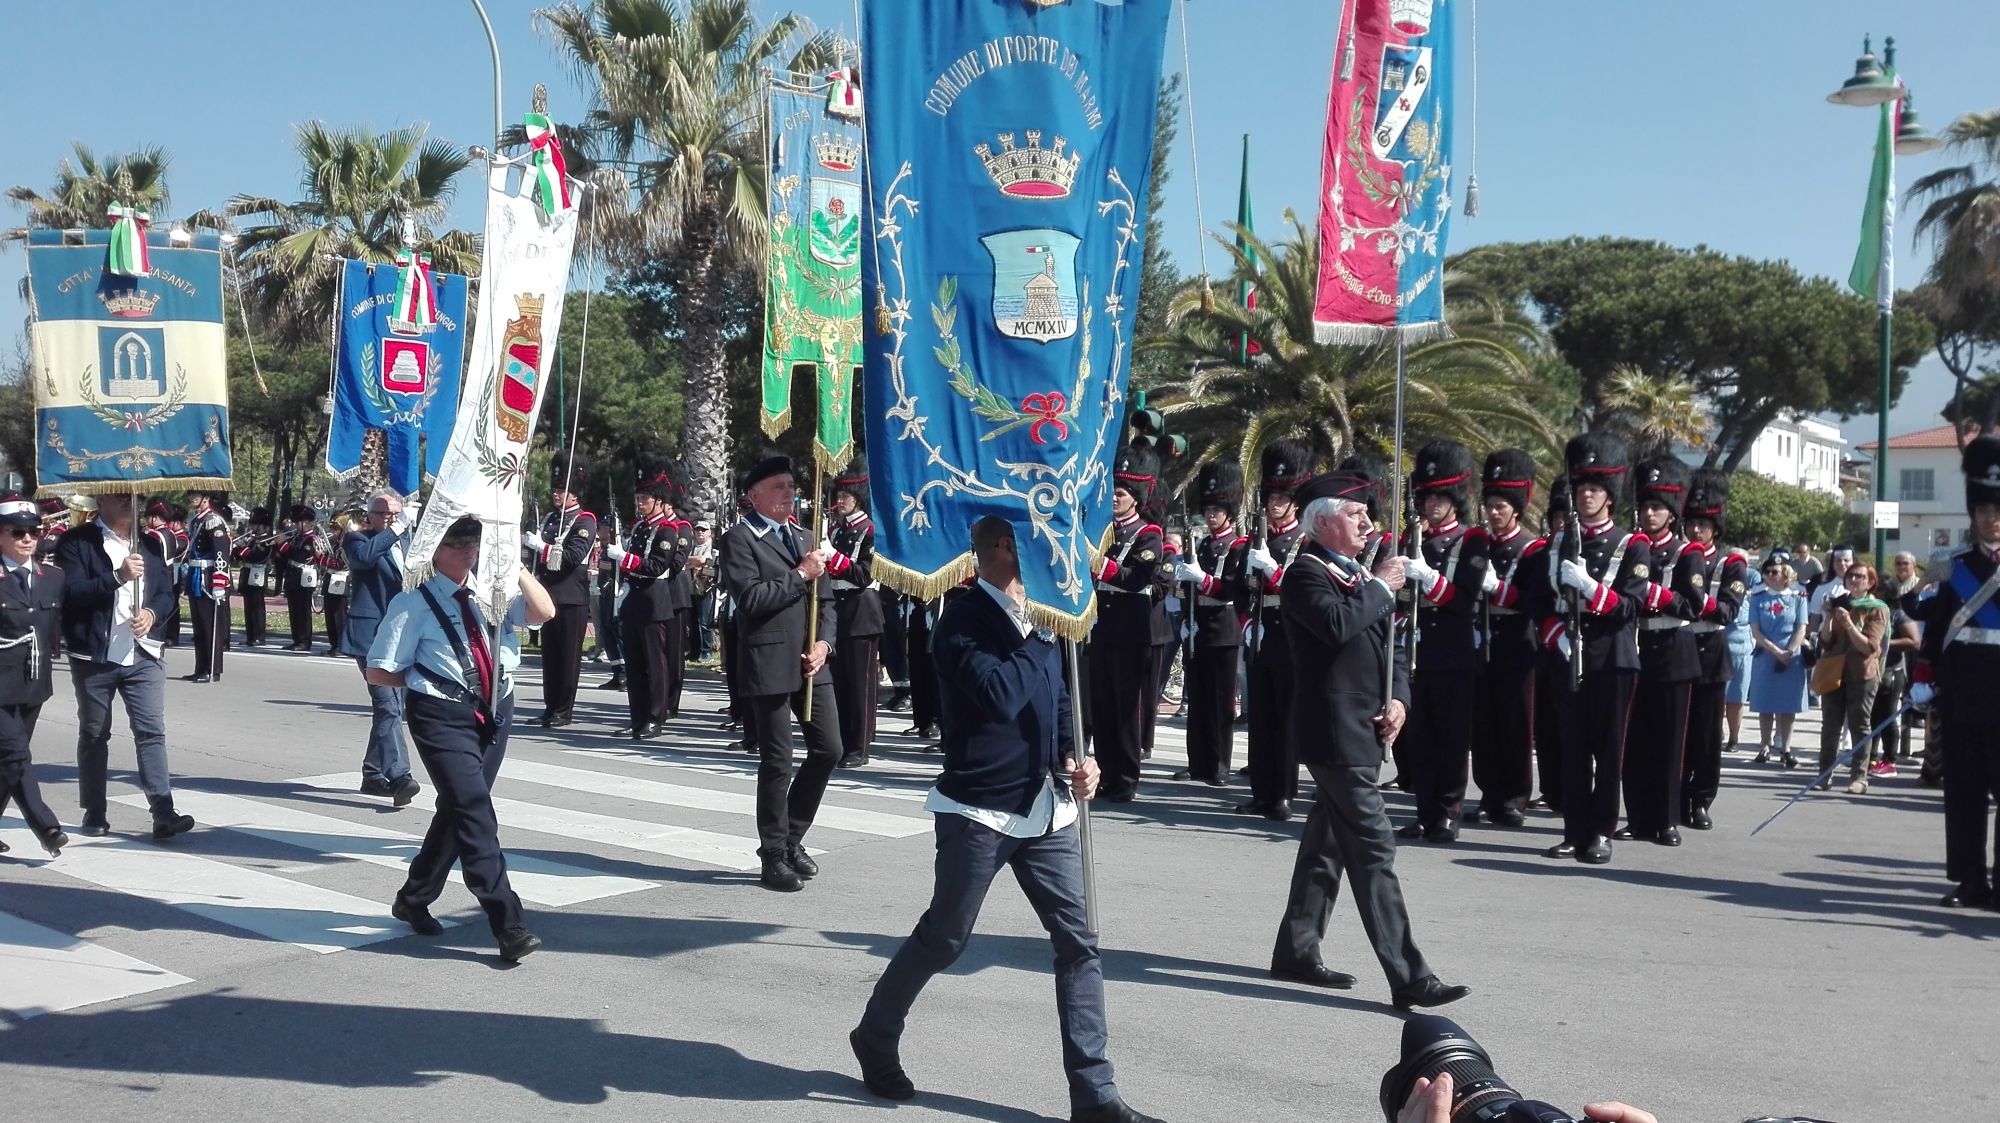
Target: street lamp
<point>1877,84</point>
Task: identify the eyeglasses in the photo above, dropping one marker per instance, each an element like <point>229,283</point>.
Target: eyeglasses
<point>24,531</point>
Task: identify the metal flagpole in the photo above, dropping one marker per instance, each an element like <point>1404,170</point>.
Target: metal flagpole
<point>812,587</point>
<point>499,116</point>
<point>1082,805</point>
<point>1826,775</point>
<point>1395,512</point>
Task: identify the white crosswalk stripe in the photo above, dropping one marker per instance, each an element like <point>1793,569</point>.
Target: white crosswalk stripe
<point>43,971</point>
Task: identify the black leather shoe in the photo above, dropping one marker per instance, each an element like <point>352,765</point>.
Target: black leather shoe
<point>171,824</point>
<point>1624,834</point>
<point>1596,853</point>
<point>516,943</point>
<point>1410,830</point>
<point>650,731</point>
<point>560,720</point>
<point>853,760</point>
<point>377,786</point>
<point>881,1071</point>
<point>779,875</point>
<point>1429,991</point>
<point>406,791</point>
<point>1968,897</point>
<point>417,917</point>
<point>4,848</point>
<point>1252,807</point>
<point>802,863</point>
<point>1183,774</point>
<point>54,841</point>
<point>1280,811</point>
<point>898,702</point>
<point>1216,781</point>
<point>1126,796</point>
<point>197,678</point>
<point>1114,1112</point>
<point>1443,835</point>
<point>1313,975</point>
<point>1669,837</point>
<point>1508,817</point>
<point>93,827</point>
<point>612,683</point>
<point>1561,850</point>
<point>1699,819</point>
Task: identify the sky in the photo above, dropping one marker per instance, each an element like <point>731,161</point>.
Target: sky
<point>1701,122</point>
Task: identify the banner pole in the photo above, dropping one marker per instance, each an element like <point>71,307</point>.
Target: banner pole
<point>1082,805</point>
<point>812,587</point>
<point>1394,513</point>
<point>493,46</point>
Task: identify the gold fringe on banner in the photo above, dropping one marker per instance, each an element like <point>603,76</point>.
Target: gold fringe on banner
<point>775,424</point>
<point>930,586</point>
<point>143,487</point>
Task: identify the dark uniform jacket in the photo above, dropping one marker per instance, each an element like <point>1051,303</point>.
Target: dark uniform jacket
<point>208,553</point>
<point>1447,636</point>
<point>1966,671</point>
<point>759,568</point>
<point>1125,600</point>
<point>24,664</point>
<point>1621,562</point>
<point>1509,632</point>
<point>1675,596</point>
<point>1284,544</point>
<point>1222,597</point>
<point>1337,621</point>
<point>1724,575</point>
<point>655,553</point>
<point>300,554</point>
<point>249,551</point>
<point>562,565</point>
<point>680,592</point>
<point>90,588</point>
<point>857,606</point>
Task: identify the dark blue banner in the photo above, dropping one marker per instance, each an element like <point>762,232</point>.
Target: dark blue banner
<point>1009,151</point>
<point>395,376</point>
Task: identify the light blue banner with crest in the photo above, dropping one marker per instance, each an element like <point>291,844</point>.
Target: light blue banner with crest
<point>131,380</point>
<point>1009,153</point>
<point>395,376</point>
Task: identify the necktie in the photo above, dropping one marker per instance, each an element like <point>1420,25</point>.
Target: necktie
<point>475,634</point>
<point>26,577</point>
<point>791,543</point>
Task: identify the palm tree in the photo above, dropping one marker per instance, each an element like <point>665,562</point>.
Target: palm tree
<point>1478,387</point>
<point>677,114</point>
<point>359,188</point>
<point>1655,416</point>
<point>1961,296</point>
<point>85,190</point>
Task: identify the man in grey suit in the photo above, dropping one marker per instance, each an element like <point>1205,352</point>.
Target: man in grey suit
<point>375,576</point>
<point>770,569</point>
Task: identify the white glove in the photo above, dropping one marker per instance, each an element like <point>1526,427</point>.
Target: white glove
<point>1417,571</point>
<point>531,540</point>
<point>1261,561</point>
<point>615,552</point>
<point>1575,576</point>
<point>1922,693</point>
<point>407,517</point>
<point>1489,583</point>
<point>826,549</point>
<point>1185,572</point>
<point>1563,646</point>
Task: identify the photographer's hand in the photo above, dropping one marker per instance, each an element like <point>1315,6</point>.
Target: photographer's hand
<point>1429,1102</point>
<point>1614,1112</point>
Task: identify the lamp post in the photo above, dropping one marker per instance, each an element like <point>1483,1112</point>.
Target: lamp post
<point>1877,84</point>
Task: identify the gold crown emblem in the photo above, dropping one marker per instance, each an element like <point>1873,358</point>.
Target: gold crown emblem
<point>1033,172</point>
<point>131,303</point>
<point>529,304</point>
<point>836,152</point>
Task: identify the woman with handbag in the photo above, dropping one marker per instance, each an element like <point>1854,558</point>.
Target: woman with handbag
<point>1853,636</point>
<point>1778,673</point>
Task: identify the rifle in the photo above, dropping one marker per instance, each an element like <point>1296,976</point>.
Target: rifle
<point>1572,550</point>
<point>1413,548</point>
<point>1188,607</point>
<point>1257,591</point>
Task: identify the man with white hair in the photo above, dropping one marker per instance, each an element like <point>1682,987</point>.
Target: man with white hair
<point>375,566</point>
<point>1338,619</point>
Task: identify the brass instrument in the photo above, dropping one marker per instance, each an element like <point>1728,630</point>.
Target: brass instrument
<point>352,519</point>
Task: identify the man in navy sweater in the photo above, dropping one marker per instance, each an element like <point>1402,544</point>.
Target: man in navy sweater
<point>1007,797</point>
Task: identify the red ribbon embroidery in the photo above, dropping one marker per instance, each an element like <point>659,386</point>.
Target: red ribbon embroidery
<point>1047,409</point>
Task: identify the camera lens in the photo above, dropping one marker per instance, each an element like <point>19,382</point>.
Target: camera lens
<point>1433,1046</point>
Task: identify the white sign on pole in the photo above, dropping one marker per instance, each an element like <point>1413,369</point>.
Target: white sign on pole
<point>1888,514</point>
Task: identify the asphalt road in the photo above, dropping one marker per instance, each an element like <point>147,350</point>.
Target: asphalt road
<point>249,970</point>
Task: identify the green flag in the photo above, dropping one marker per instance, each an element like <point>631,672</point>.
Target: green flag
<point>1872,272</point>
<point>1246,293</point>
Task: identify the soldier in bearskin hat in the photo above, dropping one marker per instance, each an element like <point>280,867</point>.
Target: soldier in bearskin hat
<point>1503,738</point>
<point>1590,592</point>
<point>858,610</point>
<point>562,548</point>
<point>1446,568</point>
<point>299,552</point>
<point>256,576</point>
<point>1723,577</point>
<point>1955,671</point>
<point>777,576</point>
<point>1274,768</point>
<point>1541,577</point>
<point>208,586</point>
<point>654,552</point>
<point>1668,664</point>
<point>1216,573</point>
<point>1122,674</point>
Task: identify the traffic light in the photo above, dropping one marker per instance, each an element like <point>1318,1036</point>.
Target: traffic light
<point>1149,430</point>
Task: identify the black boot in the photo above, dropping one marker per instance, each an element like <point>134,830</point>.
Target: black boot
<point>778,873</point>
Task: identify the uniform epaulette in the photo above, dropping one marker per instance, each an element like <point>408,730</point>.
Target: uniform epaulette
<point>1240,540</point>
<point>1479,530</point>
<point>1533,545</point>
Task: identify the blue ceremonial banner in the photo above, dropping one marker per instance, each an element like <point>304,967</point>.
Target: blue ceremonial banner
<point>1009,152</point>
<point>395,376</point>
<point>131,382</point>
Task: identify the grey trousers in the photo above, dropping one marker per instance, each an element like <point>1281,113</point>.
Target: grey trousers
<point>388,755</point>
<point>143,686</point>
<point>1348,832</point>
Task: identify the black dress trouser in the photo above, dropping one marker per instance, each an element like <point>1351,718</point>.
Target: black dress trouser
<point>854,673</point>
<point>647,650</point>
<point>1503,737</point>
<point>787,802</point>
<point>1971,783</point>
<point>1210,689</point>
<point>211,633</point>
<point>1439,735</point>
<point>1653,765</point>
<point>462,765</point>
<point>1701,775</point>
<point>1274,762</point>
<point>300,604</point>
<point>1118,677</point>
<point>1348,832</point>
<point>1594,721</point>
<point>562,657</point>
<point>17,777</point>
<point>253,617</point>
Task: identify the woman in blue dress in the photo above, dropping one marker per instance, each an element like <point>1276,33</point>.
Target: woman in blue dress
<point>1741,644</point>
<point>1777,674</point>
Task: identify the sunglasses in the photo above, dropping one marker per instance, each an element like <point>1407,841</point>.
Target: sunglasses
<point>24,531</point>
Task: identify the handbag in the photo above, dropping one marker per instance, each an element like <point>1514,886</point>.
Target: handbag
<point>1828,675</point>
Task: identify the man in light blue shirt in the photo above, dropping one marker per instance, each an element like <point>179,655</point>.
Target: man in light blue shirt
<point>435,645</point>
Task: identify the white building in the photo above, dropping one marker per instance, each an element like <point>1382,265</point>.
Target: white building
<point>1794,449</point>
<point>1924,479</point>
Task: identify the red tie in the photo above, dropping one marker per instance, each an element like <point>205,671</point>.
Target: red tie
<point>475,634</point>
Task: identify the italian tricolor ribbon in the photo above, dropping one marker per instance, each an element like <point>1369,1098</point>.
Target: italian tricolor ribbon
<point>843,95</point>
<point>126,254</point>
<point>551,172</point>
<point>416,293</point>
